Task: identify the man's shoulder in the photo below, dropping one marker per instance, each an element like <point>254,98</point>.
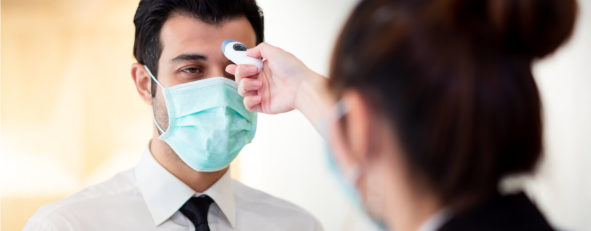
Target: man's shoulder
<point>117,191</point>
<point>272,208</point>
<point>120,185</point>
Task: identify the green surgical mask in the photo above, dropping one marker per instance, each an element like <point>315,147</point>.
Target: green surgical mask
<point>208,124</point>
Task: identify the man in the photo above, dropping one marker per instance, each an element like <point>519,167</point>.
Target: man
<point>182,181</point>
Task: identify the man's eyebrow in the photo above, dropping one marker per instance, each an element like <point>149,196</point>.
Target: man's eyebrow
<point>185,57</point>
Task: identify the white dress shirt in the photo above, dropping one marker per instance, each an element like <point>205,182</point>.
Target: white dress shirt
<point>149,197</point>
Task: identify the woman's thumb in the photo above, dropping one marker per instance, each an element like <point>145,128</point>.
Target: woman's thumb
<point>260,51</point>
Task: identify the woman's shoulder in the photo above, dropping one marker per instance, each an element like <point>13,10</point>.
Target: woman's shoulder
<point>502,212</point>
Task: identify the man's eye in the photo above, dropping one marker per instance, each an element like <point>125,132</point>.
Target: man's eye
<point>191,70</point>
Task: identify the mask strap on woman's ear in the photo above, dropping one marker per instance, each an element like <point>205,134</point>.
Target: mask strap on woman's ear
<point>353,174</point>
<point>338,111</point>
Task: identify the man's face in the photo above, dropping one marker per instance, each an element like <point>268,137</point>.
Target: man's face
<point>191,51</point>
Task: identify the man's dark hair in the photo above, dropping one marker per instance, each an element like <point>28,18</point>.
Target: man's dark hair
<point>151,15</point>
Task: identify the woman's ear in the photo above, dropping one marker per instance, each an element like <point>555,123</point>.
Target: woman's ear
<point>353,132</point>
<point>143,82</point>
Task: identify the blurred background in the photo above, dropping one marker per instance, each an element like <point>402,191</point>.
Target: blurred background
<point>70,116</point>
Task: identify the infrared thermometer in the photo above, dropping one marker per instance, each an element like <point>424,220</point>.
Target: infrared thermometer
<point>236,52</point>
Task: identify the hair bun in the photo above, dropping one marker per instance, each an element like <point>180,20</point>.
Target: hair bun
<point>532,27</point>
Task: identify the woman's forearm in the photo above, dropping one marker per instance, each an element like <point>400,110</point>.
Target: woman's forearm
<point>314,100</point>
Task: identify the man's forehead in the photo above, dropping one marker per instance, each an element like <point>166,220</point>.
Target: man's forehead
<point>181,31</point>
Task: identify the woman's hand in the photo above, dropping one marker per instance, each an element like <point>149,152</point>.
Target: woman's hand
<point>284,84</point>
<point>276,88</point>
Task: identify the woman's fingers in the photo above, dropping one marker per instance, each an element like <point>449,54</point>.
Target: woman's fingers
<point>248,84</point>
<point>231,69</point>
<point>257,52</point>
<point>244,71</point>
<point>252,101</point>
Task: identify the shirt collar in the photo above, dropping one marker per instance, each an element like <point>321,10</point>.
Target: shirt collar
<point>165,194</point>
<point>222,193</point>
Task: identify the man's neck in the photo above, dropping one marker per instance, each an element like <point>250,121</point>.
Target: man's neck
<point>198,181</point>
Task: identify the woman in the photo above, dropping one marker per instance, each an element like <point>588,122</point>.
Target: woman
<point>436,104</point>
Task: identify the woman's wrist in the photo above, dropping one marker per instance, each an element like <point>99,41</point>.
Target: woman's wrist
<point>313,98</point>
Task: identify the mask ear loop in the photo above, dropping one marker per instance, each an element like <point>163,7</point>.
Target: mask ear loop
<point>336,113</point>
<point>339,111</point>
<point>153,114</point>
<point>156,123</point>
<point>375,200</point>
<point>354,173</point>
<point>152,76</point>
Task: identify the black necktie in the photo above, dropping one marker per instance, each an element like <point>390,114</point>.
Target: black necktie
<point>196,210</point>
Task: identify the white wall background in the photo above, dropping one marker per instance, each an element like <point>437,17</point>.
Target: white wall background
<point>563,185</point>
<point>286,158</point>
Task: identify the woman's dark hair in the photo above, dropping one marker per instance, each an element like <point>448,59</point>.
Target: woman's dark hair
<point>454,77</point>
<point>151,15</point>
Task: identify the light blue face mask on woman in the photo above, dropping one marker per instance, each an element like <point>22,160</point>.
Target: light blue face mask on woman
<point>207,123</point>
<point>346,179</point>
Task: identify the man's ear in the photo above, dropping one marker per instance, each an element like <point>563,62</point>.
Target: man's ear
<point>142,81</point>
<point>353,137</point>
